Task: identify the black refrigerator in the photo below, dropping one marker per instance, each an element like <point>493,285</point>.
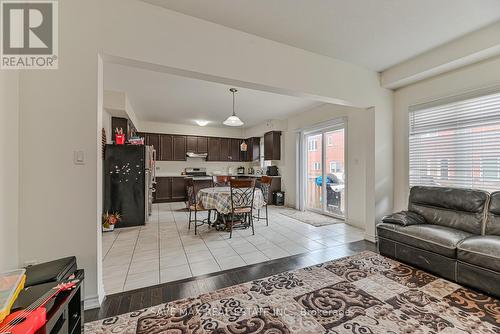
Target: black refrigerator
<point>128,183</point>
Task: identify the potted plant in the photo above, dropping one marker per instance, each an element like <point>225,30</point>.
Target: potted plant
<point>109,220</point>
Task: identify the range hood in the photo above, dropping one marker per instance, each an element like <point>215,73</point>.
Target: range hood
<point>197,155</point>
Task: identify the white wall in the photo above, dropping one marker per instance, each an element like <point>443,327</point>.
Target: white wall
<point>117,104</point>
<point>106,124</point>
<point>58,109</point>
<point>58,115</point>
<point>9,169</point>
<point>359,160</point>
<point>469,78</point>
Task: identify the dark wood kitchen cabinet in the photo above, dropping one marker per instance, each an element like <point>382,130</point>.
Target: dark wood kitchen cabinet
<point>178,189</point>
<point>174,147</point>
<point>202,144</point>
<point>192,144</point>
<point>179,144</point>
<point>166,148</point>
<point>213,149</point>
<point>224,149</point>
<point>170,189</point>
<point>163,190</point>
<point>119,123</point>
<point>234,150</point>
<point>153,139</point>
<point>272,145</point>
<point>196,144</point>
<point>253,149</point>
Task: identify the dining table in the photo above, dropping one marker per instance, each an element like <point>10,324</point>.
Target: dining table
<point>219,198</point>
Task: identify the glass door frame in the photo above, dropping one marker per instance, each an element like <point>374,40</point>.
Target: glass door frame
<point>302,147</point>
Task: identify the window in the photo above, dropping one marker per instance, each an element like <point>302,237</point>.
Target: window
<point>336,167</point>
<point>313,145</point>
<point>456,143</point>
<point>316,166</point>
<point>329,141</point>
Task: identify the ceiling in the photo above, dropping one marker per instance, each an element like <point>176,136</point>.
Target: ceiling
<point>162,97</point>
<point>375,34</point>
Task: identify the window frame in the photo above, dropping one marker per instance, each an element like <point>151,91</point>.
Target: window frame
<point>442,102</point>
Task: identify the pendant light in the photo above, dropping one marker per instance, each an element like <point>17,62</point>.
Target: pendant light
<point>233,120</point>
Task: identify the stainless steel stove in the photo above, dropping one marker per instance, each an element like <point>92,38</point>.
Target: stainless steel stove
<point>198,173</point>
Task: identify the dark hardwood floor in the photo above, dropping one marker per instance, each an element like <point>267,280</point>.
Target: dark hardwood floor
<point>129,301</point>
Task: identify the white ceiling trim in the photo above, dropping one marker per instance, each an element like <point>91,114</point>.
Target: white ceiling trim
<point>469,49</point>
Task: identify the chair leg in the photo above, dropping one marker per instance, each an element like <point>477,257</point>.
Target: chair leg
<point>230,228</point>
<point>258,214</point>
<point>189,225</point>
<point>267,219</point>
<point>195,220</point>
<point>251,222</point>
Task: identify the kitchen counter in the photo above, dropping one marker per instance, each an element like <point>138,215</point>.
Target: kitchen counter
<point>167,174</point>
<point>171,174</point>
<point>246,175</point>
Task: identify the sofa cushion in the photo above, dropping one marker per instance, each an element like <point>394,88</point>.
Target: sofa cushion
<point>404,218</point>
<point>461,209</point>
<point>482,251</point>
<point>493,219</point>
<point>434,238</point>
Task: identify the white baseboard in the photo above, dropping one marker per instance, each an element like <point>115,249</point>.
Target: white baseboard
<point>92,302</point>
<point>370,237</point>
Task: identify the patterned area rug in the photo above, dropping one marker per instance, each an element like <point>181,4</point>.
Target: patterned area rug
<point>364,293</point>
<point>311,218</point>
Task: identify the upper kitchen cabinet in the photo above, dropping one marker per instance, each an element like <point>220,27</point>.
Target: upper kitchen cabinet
<point>153,139</point>
<point>202,144</point>
<point>234,150</point>
<point>196,144</point>
<point>272,145</point>
<point>179,144</point>
<point>253,149</point>
<point>224,149</point>
<point>192,144</point>
<point>213,149</point>
<point>166,148</point>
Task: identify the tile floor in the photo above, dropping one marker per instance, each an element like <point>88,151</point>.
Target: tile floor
<point>164,250</point>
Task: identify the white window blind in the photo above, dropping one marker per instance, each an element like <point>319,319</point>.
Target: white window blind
<point>456,143</point>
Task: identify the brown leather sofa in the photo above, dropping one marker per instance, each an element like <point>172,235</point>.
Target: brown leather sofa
<point>454,233</point>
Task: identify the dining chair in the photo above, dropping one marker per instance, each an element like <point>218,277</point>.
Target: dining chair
<point>242,195</point>
<point>193,205</point>
<point>221,180</point>
<point>265,186</point>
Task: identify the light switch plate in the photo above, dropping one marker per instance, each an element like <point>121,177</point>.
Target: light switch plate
<point>79,158</point>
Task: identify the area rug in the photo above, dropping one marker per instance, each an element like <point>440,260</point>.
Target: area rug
<point>364,293</point>
<point>311,218</point>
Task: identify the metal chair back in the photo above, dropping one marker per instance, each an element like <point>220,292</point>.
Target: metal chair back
<point>242,194</point>
<point>191,192</point>
<point>265,186</point>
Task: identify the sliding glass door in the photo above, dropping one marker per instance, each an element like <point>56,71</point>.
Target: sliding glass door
<point>324,177</point>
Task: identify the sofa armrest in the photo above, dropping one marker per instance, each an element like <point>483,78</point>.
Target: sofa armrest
<point>404,218</point>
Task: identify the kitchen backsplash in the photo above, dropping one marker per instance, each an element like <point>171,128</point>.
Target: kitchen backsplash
<point>174,167</point>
